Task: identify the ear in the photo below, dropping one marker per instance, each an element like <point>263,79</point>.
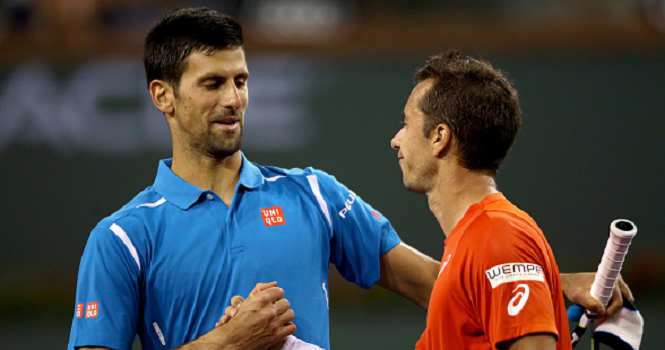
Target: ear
<point>440,139</point>
<point>162,96</point>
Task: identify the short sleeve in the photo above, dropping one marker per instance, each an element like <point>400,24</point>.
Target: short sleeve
<point>107,292</point>
<point>511,269</point>
<point>360,233</point>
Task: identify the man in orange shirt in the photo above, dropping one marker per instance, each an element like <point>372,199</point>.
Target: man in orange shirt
<point>498,285</point>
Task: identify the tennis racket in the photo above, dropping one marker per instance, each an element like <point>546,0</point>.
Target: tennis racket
<point>621,234</point>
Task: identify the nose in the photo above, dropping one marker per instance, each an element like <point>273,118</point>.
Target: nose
<point>397,139</point>
<point>231,96</point>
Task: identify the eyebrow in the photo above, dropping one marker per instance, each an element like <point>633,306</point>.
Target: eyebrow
<point>208,76</point>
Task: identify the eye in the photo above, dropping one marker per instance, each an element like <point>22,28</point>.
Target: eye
<point>241,83</point>
<point>212,85</point>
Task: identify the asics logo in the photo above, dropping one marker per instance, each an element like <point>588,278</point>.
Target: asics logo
<point>516,304</point>
<point>444,264</point>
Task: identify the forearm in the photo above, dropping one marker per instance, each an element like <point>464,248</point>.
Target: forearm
<point>565,283</point>
<point>213,340</point>
<point>208,341</point>
<point>409,273</point>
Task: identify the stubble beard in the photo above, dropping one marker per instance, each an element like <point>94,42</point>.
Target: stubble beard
<point>214,145</point>
<point>417,181</point>
<point>413,186</point>
<point>220,148</point>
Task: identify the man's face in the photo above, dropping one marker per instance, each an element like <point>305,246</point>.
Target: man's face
<point>414,151</point>
<point>211,101</point>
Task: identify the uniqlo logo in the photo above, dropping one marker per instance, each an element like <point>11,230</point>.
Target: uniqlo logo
<point>376,215</point>
<point>92,310</point>
<point>273,216</point>
<point>79,310</point>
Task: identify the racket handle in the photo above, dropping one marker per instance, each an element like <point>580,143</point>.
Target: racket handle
<point>621,234</point>
<point>581,328</point>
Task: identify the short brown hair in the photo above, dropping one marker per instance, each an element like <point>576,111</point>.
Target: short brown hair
<point>184,31</point>
<point>477,103</point>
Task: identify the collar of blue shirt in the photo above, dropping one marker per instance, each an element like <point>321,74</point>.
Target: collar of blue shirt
<point>184,195</point>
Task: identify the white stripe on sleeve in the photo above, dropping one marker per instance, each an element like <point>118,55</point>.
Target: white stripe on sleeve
<point>314,184</point>
<point>128,243</point>
<point>274,178</point>
<point>153,205</point>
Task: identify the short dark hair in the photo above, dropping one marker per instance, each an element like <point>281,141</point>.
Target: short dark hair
<point>477,103</point>
<point>182,32</point>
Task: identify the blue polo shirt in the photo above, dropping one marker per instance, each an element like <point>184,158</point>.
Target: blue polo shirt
<point>166,265</point>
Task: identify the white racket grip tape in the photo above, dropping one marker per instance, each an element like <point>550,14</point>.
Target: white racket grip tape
<point>584,321</point>
<point>621,234</point>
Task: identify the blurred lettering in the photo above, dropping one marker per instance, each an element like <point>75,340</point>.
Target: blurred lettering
<point>104,107</point>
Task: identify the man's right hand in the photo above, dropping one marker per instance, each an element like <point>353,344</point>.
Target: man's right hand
<point>263,323</point>
<point>237,300</point>
<point>234,309</point>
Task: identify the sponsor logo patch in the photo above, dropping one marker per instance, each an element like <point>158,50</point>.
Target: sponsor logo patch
<point>79,310</point>
<point>376,215</point>
<point>348,204</point>
<point>273,216</point>
<point>443,266</point>
<point>92,310</point>
<point>512,272</point>
<point>521,297</point>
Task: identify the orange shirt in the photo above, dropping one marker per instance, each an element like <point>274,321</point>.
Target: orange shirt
<point>498,281</point>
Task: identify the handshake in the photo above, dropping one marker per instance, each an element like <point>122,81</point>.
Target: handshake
<point>262,321</point>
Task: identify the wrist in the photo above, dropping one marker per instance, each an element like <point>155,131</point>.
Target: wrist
<point>216,339</point>
<point>223,339</point>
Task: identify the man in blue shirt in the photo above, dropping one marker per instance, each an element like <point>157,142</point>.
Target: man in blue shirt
<point>213,224</point>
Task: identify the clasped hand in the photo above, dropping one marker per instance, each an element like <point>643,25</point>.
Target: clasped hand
<point>262,321</point>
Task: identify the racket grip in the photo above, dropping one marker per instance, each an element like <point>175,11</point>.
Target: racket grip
<point>621,234</point>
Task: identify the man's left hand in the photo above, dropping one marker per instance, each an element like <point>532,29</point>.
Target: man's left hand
<point>577,287</point>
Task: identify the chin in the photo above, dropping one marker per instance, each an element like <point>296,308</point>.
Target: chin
<point>224,149</point>
<point>414,187</point>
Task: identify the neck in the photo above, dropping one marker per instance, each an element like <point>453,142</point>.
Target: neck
<point>455,191</point>
<point>218,175</point>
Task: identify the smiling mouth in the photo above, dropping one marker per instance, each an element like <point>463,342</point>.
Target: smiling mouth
<point>226,121</point>
<point>227,125</point>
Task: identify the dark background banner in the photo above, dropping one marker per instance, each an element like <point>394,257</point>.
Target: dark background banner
<point>79,138</point>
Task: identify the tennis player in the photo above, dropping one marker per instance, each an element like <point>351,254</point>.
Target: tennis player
<point>213,223</point>
<point>498,284</point>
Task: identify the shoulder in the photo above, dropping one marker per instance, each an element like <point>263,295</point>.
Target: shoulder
<point>497,236</point>
<point>268,171</point>
<point>309,175</point>
<point>129,231</point>
<point>502,224</point>
<point>135,216</point>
